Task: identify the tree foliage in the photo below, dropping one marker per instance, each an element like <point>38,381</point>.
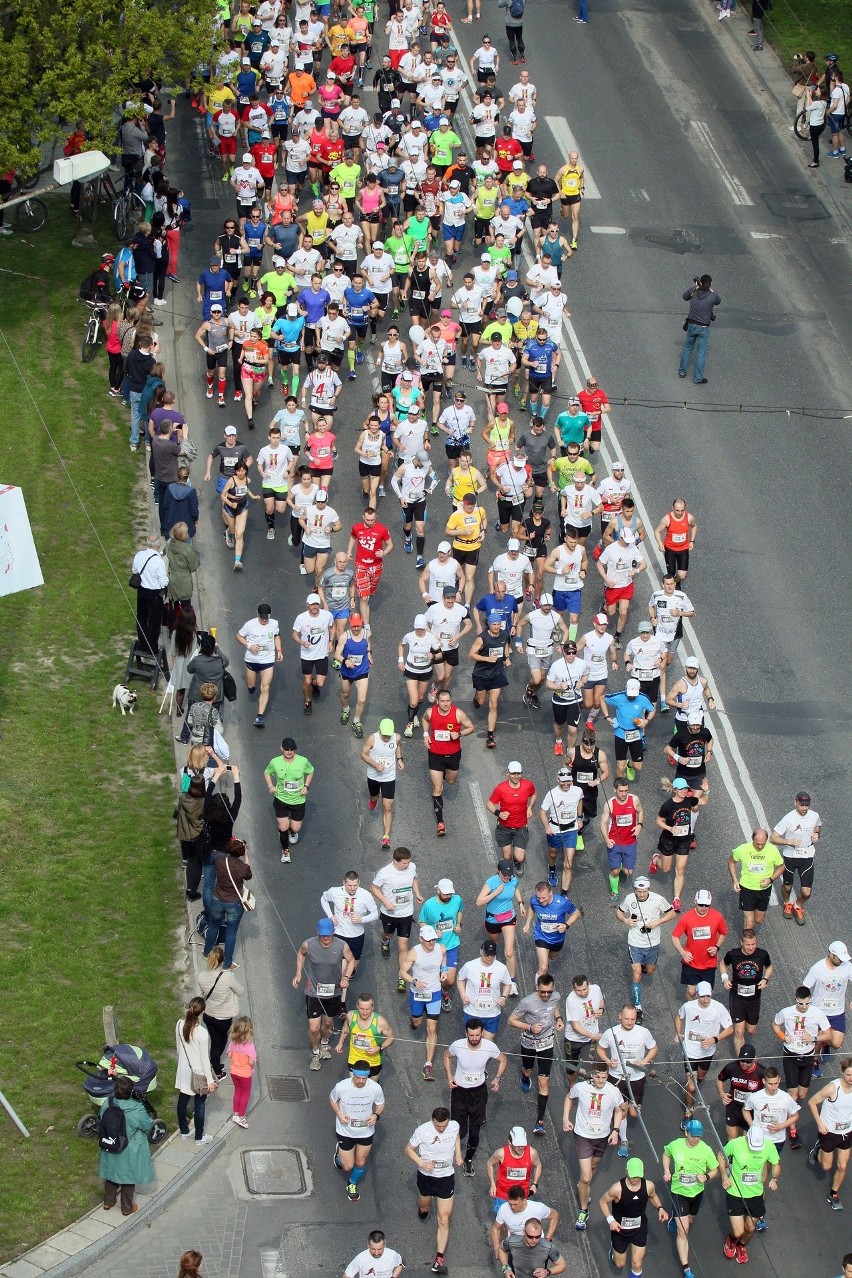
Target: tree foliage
<point>69,60</point>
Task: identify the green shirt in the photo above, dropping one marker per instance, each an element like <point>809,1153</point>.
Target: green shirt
<point>487,200</point>
<point>289,778</point>
<point>747,1165</point>
<point>347,175</point>
<point>280,286</point>
<point>689,1162</point>
<point>502,256</point>
<point>572,430</point>
<point>505,331</point>
<point>564,468</point>
<point>418,231</point>
<point>755,866</point>
<point>400,248</point>
<point>443,145</point>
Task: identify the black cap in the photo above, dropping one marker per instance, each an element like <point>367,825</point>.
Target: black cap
<point>264,610</point>
<point>748,1052</point>
<point>803,797</point>
<point>505,866</point>
<point>450,590</point>
<point>288,744</point>
<point>489,947</point>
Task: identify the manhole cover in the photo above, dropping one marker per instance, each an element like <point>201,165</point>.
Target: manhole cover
<point>677,241</point>
<point>795,205</point>
<point>278,1172</point>
<point>286,1088</point>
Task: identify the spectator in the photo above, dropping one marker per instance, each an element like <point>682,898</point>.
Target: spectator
<point>192,1041</point>
<point>124,1169</point>
<point>138,365</point>
<point>184,628</point>
<point>179,503</point>
<point>153,575</point>
<point>183,560</point>
<point>145,255</point>
<point>207,666</point>
<point>231,871</point>
<point>192,833</point>
<point>222,993</point>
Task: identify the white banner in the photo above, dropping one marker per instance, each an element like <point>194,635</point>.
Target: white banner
<point>19,565</point>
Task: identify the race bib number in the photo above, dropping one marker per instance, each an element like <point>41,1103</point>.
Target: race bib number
<point>549,929</point>
<point>583,778</point>
<point>680,831</point>
<point>472,1078</point>
<point>363,1043</point>
<point>443,735</point>
<point>687,1179</point>
<point>516,1173</point>
<point>444,925</point>
<point>402,896</point>
<point>701,934</point>
<point>325,989</point>
<point>623,822</point>
<point>740,1097</point>
<point>630,1222</point>
<point>292,787</point>
<point>632,734</point>
<point>750,1178</point>
<point>746,991</point>
<point>422,996</point>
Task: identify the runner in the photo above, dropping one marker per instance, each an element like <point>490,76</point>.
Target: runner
<point>618,566</point>
<point>530,1254</point>
<point>368,1035</point>
<point>594,403</point>
<point>382,753</point>
<point>353,657</point>
<point>418,650</point>
<point>745,971</point>
<point>466,530</point>
<point>444,726</point>
<point>589,768</point>
<point>703,929</point>
<point>736,1082</point>
<point>484,985</point>
<point>465,1064</point>
<point>566,681</point>
<point>276,465</point>
<point>376,1261</point>
<point>421,968</point>
<point>413,482</point>
<point>515,1166</point>
<point>700,1025</point>
<point>349,907</point>
<point>691,692</point>
<point>511,801</point>
<point>214,338</point>
<point>537,1016</point>
<point>624,1207</point>
<point>545,627</point>
<point>644,659</point>
<point>490,653</point>
<point>674,820</point>
<point>773,1108</point>
<point>688,1165</point>
<point>744,1164</point>
<point>689,751</point>
<point>831,1107</point>
<point>329,963</point>
<point>435,1149</point>
<point>633,713</point>
<point>828,980</point>
<point>584,1007</point>
<point>318,521</point>
<point>337,592</point>
<point>396,889</point>
<point>450,622</point>
<point>358,1102</point>
<point>598,647</point>
<point>560,813</point>
<point>261,638</point>
<point>600,1112</point>
<point>621,820</point>
<point>667,608</point>
<point>675,535</point>
<point>312,631</point>
<point>288,779</point>
<point>372,543</point>
<point>445,913</point>
<point>801,1028</point>
<point>499,895</point>
<point>627,1049</point>
<point>796,833</point>
<point>760,864</point>
<point>300,499</point>
<point>644,913</point>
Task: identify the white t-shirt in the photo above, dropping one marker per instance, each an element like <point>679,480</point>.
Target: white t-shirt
<point>566,677</point>
<point>323,386</point>
<point>398,886</point>
<point>366,1265</point>
<point>512,571</point>
<point>471,1062</point>
<point>445,623</point>
<point>595,1108</point>
<point>377,271</point>
<point>515,1220</point>
<point>523,124</point>
<point>319,523</point>
<point>700,1023</point>
<point>454,208</point>
<point>297,151</point>
<point>438,1147</point>
<point>469,303</point>
<point>274,464</point>
<point>528,92</point>
<point>801,1028</point>
<point>303,498</point>
<point>772,1109</point>
<point>441,575</point>
<point>595,650</point>
<point>627,1045</point>
<point>262,636</point>
<point>333,334</point>
<point>560,806</point>
<point>568,564</point>
<point>358,1104</point>
<point>828,986</point>
<point>644,655</point>
<point>313,634</point>
<point>620,563</point>
<point>246,180</point>
<point>662,605</point>
<point>796,826</point>
<point>483,986</point>
<point>582,1011</point>
<point>544,629</point>
<point>345,240</point>
<point>645,913</point>
<point>338,903</point>
<point>420,654</point>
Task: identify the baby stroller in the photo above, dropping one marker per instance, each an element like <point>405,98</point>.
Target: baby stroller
<point>99,1085</point>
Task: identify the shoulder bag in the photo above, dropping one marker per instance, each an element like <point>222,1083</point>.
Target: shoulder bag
<point>247,897</point>
<point>198,1082</point>
<point>135,579</point>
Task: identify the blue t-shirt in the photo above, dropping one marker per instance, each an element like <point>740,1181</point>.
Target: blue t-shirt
<point>502,908</point>
<point>125,256</point>
<point>442,915</point>
<point>547,917</point>
<point>254,233</point>
<point>314,303</point>
<point>213,285</point>
<point>518,207</point>
<point>358,305</point>
<point>280,108</point>
<point>286,238</point>
<point>246,85</point>
<point>505,609</point>
<point>288,333</point>
<point>352,649</point>
<point>626,710</point>
<point>255,45</point>
<point>541,356</point>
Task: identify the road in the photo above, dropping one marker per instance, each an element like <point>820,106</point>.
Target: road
<point>671,131</point>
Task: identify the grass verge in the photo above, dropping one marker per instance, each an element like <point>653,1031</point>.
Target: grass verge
<point>87,892</point>
<point>821,25</point>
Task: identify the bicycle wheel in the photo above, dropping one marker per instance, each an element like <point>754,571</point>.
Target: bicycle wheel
<point>802,126</point>
<point>90,339</point>
<point>135,212</point>
<point>30,215</point>
<point>119,215</point>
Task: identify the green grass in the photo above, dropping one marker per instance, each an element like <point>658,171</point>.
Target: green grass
<point>88,889</point>
<point>822,25</point>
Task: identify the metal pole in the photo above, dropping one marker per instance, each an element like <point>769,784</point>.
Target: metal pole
<point>13,1115</point>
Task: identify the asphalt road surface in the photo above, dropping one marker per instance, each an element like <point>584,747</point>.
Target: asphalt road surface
<point>694,174</point>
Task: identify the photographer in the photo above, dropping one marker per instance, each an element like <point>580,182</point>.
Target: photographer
<point>702,302</point>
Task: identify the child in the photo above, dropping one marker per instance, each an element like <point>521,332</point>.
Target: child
<point>203,718</point>
<point>243,1056</point>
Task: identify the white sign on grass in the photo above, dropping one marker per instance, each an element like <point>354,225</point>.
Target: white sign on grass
<point>19,565</point>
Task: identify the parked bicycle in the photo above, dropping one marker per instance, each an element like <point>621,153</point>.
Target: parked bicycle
<point>126,207</point>
<point>94,330</point>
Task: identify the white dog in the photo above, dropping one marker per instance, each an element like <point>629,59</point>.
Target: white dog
<point>124,698</point>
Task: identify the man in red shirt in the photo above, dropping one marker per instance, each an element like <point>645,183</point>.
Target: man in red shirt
<point>506,150</point>
<point>265,153</point>
<point>697,938</point>
<point>512,803</point>
<point>371,543</point>
<point>594,402</point>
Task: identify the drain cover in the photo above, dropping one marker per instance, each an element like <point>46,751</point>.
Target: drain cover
<point>286,1088</point>
<point>277,1172</point>
<point>679,241</point>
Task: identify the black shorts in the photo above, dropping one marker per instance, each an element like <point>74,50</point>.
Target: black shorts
<point>744,1009</point>
<point>273,494</point>
<point>487,682</point>
<point>541,219</point>
<point>684,1206</point>
<point>466,556</point>
<point>387,789</point>
<point>542,384</point>
<point>382,300</point>
<point>286,358</point>
<point>580,532</point>
<point>470,328</point>
<point>737,1206</point>
<point>668,845</point>
<point>318,667</point>
<point>622,748</point>
<point>219,358</point>
<point>347,1143</point>
<point>835,1140</point>
<point>365,470</point>
<point>803,866</point>
<point>701,1065</point>
<point>638,1086</point>
<point>335,357</point>
<point>755,898</point>
<point>402,927</point>
<point>444,762</point>
<point>448,658</point>
<point>316,1007</point>
<point>414,510</point>
<point>493,928</point>
<point>568,200</point>
<point>629,1238</point>
<point>676,561</point>
<point>798,1070</point>
<point>419,676</point>
<point>295,811</point>
<point>422,307</point>
<point>507,510</point>
<point>734,1115</point>
<point>541,1062</point>
<point>567,714</point>
<point>690,975</point>
<point>435,1186</point>
<point>429,381</point>
<point>550,947</point>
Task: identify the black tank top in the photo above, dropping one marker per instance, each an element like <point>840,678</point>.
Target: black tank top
<point>583,770</point>
<point>420,283</point>
<point>629,1211</point>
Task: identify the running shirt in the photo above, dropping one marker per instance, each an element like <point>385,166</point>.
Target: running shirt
<point>445,624</point>
<point>422,650</point>
<point>274,465</point>
<point>678,813</point>
<point>800,827</point>
<point>756,865</point>
<point>595,651</point>
<point>383,760</point>
<point>366,1265</point>
<point>289,776</point>
<point>700,1023</point>
<point>261,636</point>
<point>358,1104</point>
<point>626,1046</point>
<point>688,1163</point>
<point>662,605</point>
<point>438,1147</point>
<point>440,575</point>
<point>620,564</point>
<point>583,1010</point>
<point>514,800</point>
<point>742,1083</point>
<point>425,980</point>
<point>560,808</point>
<point>747,970</point>
<point>339,905</point>
<point>827,985</point>
<point>568,564</point>
<point>836,1111</point>
<point>644,914</point>
<point>368,540</point>
<point>747,1166</point>
<point>549,919</point>
<point>319,522</point>
<point>513,572</point>
<point>443,915</point>
<point>397,884</point>
<point>595,1108</point>
<point>313,634</point>
<point>771,1108</point>
<point>483,985</point>
<point>701,933</point>
<point>801,1028</point>
<point>531,1210</point>
<point>472,1062</point>
<point>336,586</point>
<point>566,675</point>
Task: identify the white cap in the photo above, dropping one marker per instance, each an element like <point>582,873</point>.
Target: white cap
<point>601,619</point>
<point>633,687</point>
<point>545,599</point>
<point>444,547</point>
<point>704,989</point>
<point>445,887</point>
<point>517,164</point>
<point>514,766</point>
<point>230,430</point>
<point>618,465</point>
<point>420,621</point>
<point>691,663</point>
<point>518,1137</point>
<point>642,882</point>
<point>445,119</point>
<point>756,1136</point>
<point>695,716</point>
<point>513,544</point>
<point>313,598</point>
<point>839,950</point>
<point>378,244</point>
<point>322,495</point>
<point>428,933</point>
<point>278,260</point>
<point>454,186</point>
<point>248,158</point>
<point>628,536</point>
<point>703,897</point>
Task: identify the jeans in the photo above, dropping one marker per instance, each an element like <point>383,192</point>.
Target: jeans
<point>757,23</point>
<point>231,914</point>
<point>146,281</point>
<point>582,10</point>
<point>135,416</point>
<point>697,336</point>
<point>199,1106</point>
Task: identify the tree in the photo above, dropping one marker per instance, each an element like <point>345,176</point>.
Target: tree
<point>84,59</point>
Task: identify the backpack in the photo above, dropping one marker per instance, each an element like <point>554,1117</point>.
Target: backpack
<point>516,8</point>
<point>112,1128</point>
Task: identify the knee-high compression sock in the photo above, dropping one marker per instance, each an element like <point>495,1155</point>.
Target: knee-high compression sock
<point>420,543</point>
<point>438,805</point>
<point>541,1107</point>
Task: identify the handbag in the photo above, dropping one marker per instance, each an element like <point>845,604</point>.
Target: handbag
<point>135,578</point>
<point>229,686</point>
<point>247,897</point>
<point>198,1082</point>
<point>798,90</point>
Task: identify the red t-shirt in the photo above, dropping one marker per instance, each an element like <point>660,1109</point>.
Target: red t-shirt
<point>367,542</point>
<point>514,800</point>
<point>331,151</point>
<point>266,158</point>
<point>698,933</point>
<point>343,68</point>
<point>506,151</point>
<point>590,402</point>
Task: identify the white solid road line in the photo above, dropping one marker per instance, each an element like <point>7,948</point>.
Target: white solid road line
<point>481,813</point>
<point>608,230</point>
<point>566,142</point>
<point>734,187</point>
<point>766,235</point>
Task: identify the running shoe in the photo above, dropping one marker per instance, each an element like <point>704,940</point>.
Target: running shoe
<point>676,905</point>
<point>834,1202</point>
<point>581,843</point>
<point>428,1076</point>
<point>526,1083</point>
<point>582,1218</point>
<point>438,1265</point>
<point>270,534</point>
<point>372,804</point>
<point>344,714</point>
<point>400,986</point>
<point>742,1255</point>
<point>441,830</point>
<point>551,877</point>
<point>538,1130</point>
<point>558,748</point>
<point>385,948</point>
<point>338,1164</point>
<point>259,721</point>
<point>468,1168</point>
<point>630,772</point>
<point>795,1143</point>
<point>358,728</point>
<point>316,1063</point>
<point>446,1003</point>
<point>655,864</point>
<point>386,843</point>
<point>352,1193</point>
<point>285,858</point>
<point>799,915</point>
<point>730,1249</point>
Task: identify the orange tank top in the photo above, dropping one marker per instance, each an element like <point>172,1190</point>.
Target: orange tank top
<point>677,533</point>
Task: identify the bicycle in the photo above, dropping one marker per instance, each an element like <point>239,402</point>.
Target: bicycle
<point>127,213</point>
<point>30,215</point>
<point>92,331</point>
